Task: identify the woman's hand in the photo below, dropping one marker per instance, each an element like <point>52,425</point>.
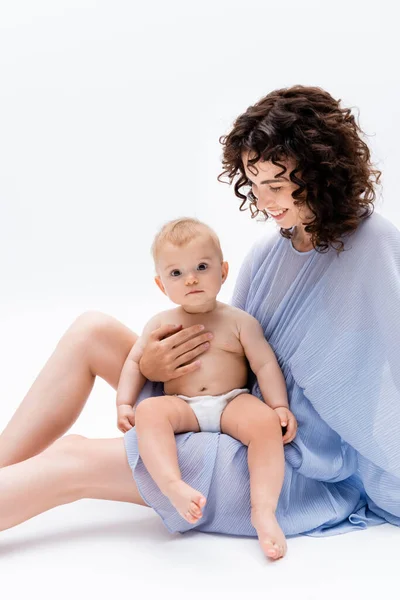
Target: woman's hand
<point>169,350</point>
<point>287,420</point>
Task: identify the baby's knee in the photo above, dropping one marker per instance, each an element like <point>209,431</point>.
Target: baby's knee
<point>265,421</point>
<point>149,407</point>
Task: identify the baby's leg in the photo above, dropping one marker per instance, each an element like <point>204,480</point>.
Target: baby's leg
<point>157,420</point>
<point>257,426</point>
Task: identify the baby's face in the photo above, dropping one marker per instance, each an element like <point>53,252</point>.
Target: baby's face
<point>191,275</point>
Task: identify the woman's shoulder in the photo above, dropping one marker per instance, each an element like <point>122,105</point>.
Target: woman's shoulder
<point>377,231</point>
<point>376,223</point>
<point>373,246</point>
<point>262,246</point>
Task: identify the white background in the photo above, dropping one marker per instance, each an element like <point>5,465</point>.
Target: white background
<point>110,114</point>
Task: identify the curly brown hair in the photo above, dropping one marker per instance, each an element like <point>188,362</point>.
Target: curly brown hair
<point>334,173</point>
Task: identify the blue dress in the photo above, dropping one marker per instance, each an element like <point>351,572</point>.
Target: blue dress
<point>333,322</point>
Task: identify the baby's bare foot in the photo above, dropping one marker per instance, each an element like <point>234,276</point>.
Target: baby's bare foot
<point>187,501</point>
<point>270,535</point>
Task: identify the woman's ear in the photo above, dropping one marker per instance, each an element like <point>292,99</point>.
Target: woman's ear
<point>224,271</point>
<point>159,283</point>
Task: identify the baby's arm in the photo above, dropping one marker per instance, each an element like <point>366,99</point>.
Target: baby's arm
<point>131,379</point>
<point>263,363</point>
<point>265,366</point>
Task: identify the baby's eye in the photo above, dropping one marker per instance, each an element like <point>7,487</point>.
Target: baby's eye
<point>275,189</point>
<point>202,267</point>
<point>175,273</point>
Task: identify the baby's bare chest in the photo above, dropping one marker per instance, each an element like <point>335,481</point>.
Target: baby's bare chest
<point>225,332</point>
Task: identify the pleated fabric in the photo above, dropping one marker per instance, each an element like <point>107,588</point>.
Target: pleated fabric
<point>333,322</point>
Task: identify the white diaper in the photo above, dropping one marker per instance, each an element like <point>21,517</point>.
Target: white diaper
<point>208,409</point>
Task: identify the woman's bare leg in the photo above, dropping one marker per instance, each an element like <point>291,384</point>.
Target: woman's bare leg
<point>70,469</point>
<point>95,344</point>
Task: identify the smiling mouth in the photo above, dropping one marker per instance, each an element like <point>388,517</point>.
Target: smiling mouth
<point>277,215</point>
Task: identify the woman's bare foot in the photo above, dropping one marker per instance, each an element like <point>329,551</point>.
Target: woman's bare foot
<point>187,501</point>
<point>270,535</point>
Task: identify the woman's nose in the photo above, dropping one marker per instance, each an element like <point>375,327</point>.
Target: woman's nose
<point>265,202</point>
<point>261,200</point>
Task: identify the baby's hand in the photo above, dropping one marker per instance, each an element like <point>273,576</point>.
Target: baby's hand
<point>287,420</point>
<point>126,417</point>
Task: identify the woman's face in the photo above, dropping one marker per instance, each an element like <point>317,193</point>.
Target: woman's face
<point>273,193</point>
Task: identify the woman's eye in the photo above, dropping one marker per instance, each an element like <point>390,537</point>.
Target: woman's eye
<point>175,273</point>
<point>202,267</point>
<point>275,189</point>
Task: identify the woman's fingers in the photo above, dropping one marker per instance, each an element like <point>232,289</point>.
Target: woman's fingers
<point>192,351</point>
<point>184,336</point>
<point>179,372</point>
<point>164,331</point>
<point>163,356</point>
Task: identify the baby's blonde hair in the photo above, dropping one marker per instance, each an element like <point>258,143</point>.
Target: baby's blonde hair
<point>180,232</point>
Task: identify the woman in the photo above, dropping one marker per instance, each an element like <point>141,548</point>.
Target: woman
<point>327,292</point>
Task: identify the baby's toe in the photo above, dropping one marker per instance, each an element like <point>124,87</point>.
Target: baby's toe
<point>271,550</point>
<point>194,510</point>
<point>190,518</point>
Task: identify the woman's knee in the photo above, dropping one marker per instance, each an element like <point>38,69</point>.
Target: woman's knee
<point>90,325</point>
<point>100,343</point>
<point>95,331</point>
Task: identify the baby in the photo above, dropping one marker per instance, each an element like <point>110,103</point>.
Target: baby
<point>190,271</point>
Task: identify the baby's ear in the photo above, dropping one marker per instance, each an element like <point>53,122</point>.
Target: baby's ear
<point>224,270</point>
<point>159,283</point>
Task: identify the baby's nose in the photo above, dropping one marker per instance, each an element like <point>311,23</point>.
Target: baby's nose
<point>191,279</point>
